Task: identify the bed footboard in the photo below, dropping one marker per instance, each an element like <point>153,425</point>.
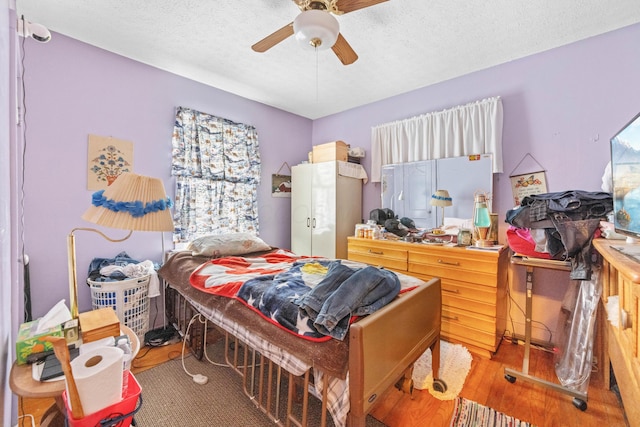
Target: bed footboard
<point>384,345</point>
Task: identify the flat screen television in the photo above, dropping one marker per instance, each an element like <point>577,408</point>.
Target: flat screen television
<point>625,173</point>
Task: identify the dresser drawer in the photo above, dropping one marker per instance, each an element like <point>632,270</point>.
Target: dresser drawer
<point>379,256</point>
<point>465,318</point>
<point>452,271</point>
<point>467,296</point>
<point>464,333</point>
<point>457,258</point>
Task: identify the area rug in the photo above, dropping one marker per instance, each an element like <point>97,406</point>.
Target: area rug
<point>455,363</point>
<point>172,398</point>
<point>468,413</point>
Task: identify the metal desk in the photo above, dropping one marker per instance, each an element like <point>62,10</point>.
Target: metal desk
<point>579,398</point>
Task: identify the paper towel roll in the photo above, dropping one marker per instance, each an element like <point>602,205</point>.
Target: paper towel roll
<point>98,377</point>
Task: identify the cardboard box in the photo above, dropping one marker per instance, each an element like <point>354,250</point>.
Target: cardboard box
<point>331,151</point>
<point>98,324</point>
<point>29,342</point>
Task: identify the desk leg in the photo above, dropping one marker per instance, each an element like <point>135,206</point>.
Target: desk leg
<point>580,398</point>
<point>527,320</point>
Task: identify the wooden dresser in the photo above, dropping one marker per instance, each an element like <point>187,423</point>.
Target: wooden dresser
<point>474,285</point>
<point>619,345</point>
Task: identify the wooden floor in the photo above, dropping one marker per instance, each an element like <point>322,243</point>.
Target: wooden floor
<point>485,384</point>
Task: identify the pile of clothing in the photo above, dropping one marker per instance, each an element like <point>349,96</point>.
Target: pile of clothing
<point>559,226</point>
<point>123,267</point>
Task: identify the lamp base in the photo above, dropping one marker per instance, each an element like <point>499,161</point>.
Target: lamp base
<point>484,243</point>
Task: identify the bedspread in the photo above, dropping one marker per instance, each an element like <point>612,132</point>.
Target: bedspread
<point>330,356</point>
<point>314,298</point>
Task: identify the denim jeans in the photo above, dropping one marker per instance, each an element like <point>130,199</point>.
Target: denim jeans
<point>120,260</point>
<point>345,292</point>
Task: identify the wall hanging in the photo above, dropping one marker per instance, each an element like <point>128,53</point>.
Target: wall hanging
<point>281,184</point>
<point>108,157</point>
<point>527,183</point>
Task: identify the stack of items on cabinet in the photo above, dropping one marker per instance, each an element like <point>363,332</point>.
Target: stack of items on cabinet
<point>336,150</point>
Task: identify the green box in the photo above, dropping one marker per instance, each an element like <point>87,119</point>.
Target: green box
<point>29,342</point>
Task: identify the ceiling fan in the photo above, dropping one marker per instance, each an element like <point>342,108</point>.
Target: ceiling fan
<point>316,27</point>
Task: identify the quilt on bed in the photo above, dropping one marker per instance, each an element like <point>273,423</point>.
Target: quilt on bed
<point>313,298</point>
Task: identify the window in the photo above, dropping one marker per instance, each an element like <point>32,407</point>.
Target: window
<point>216,163</point>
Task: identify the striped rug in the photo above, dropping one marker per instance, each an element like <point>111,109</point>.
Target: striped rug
<point>468,413</point>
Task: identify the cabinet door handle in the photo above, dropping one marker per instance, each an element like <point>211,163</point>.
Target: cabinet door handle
<point>452,291</point>
<point>375,252</point>
<point>448,263</point>
<point>314,223</point>
<point>454,318</point>
<point>308,222</point>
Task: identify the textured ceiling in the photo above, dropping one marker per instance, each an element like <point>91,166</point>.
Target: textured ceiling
<point>402,44</point>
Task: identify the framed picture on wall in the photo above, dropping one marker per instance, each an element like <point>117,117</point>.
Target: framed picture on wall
<point>527,184</point>
<point>280,185</point>
<point>108,157</point>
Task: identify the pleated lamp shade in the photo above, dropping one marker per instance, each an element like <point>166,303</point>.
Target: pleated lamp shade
<point>441,198</point>
<point>132,202</point>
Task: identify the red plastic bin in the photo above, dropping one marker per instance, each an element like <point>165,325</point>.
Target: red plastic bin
<point>111,416</point>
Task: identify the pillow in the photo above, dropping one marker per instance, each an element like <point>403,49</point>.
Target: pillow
<point>227,244</point>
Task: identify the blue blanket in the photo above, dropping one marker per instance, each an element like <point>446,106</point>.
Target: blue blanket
<point>273,296</point>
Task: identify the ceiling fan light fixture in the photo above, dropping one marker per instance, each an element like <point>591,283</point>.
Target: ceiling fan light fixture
<point>316,29</point>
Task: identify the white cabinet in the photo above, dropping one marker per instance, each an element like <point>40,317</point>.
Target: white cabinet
<point>325,208</point>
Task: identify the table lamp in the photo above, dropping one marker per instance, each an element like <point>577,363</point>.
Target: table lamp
<point>132,202</point>
<point>441,198</point>
<point>481,220</point>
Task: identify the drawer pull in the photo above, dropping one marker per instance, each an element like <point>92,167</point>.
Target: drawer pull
<point>448,263</point>
<point>375,252</point>
<point>453,291</point>
<point>454,318</point>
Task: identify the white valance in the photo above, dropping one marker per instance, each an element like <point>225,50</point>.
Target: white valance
<point>474,128</point>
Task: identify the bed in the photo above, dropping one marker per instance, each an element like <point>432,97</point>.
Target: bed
<point>347,376</point>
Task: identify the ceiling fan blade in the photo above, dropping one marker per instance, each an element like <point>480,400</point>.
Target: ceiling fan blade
<point>273,39</point>
<point>346,6</point>
<point>344,51</point>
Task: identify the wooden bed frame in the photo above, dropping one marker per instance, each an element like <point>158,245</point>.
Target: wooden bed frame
<point>381,352</point>
<point>382,348</point>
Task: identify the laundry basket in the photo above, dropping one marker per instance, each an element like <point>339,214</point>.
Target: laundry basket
<point>128,298</point>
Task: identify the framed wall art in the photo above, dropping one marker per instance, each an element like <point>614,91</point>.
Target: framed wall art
<point>108,157</point>
<point>524,184</point>
<point>281,184</point>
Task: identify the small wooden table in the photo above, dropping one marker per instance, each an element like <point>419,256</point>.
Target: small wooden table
<point>22,384</point>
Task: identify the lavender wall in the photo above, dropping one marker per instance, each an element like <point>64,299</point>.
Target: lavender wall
<point>560,106</point>
<point>73,90</point>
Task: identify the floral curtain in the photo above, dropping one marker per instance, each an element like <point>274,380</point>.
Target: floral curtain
<point>474,128</point>
<point>216,163</point>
